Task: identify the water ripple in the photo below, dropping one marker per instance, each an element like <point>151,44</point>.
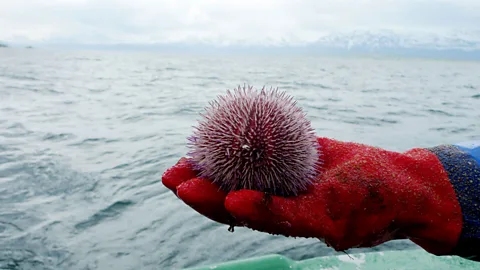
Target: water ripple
<point>107,213</point>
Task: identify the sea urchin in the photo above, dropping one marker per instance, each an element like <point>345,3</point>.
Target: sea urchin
<point>256,140</point>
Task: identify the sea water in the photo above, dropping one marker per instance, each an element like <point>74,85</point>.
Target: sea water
<point>86,135</point>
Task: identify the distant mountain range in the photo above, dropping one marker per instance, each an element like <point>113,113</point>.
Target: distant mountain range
<point>464,45</point>
<point>457,44</point>
<point>372,40</point>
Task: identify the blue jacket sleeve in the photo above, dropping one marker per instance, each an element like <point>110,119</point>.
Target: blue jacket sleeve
<point>462,164</point>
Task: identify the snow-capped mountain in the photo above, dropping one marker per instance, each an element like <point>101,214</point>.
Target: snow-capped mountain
<point>388,39</point>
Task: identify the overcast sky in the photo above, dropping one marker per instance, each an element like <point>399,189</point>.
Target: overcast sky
<point>224,21</point>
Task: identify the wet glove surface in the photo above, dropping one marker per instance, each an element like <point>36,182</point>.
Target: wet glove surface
<point>363,197</point>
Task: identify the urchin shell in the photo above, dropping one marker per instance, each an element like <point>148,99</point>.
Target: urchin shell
<point>256,140</point>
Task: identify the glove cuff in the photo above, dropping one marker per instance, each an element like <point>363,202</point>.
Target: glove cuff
<point>462,164</point>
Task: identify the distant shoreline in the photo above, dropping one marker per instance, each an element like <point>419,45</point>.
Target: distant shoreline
<point>307,50</point>
<point>312,50</point>
<point>3,45</point>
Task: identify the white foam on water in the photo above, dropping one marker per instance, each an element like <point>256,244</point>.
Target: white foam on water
<point>358,260</point>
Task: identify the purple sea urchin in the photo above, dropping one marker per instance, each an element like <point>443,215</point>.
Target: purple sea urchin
<point>256,140</point>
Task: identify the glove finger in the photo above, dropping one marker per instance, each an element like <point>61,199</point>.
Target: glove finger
<point>177,174</point>
<point>206,198</point>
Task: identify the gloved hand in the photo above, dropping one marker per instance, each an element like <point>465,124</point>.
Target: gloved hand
<point>363,197</point>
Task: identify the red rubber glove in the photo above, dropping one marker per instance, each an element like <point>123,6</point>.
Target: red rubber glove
<point>364,196</point>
